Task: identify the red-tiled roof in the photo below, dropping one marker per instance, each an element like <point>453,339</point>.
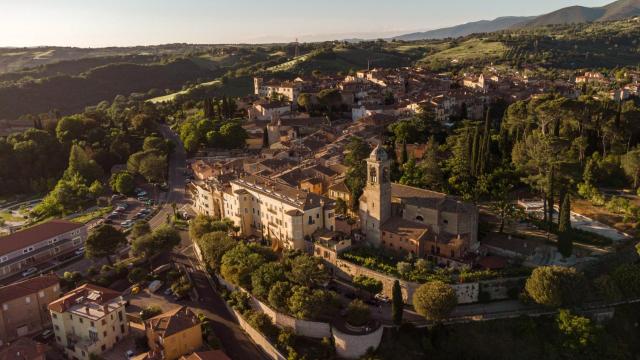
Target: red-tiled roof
<point>26,287</point>
<point>62,304</point>
<point>36,234</point>
<point>23,349</point>
<point>207,355</point>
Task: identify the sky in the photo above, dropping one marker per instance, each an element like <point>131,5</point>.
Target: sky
<point>99,23</point>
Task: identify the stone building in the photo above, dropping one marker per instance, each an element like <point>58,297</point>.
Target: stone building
<point>286,215</point>
<point>422,222</point>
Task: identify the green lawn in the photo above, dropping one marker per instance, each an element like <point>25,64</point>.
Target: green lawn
<point>93,215</point>
<point>7,216</point>
<point>170,97</point>
<point>474,49</point>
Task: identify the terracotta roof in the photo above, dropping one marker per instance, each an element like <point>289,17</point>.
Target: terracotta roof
<point>26,287</point>
<point>67,300</point>
<point>430,199</point>
<point>340,187</point>
<point>23,349</point>
<point>207,355</point>
<point>36,234</point>
<point>402,227</point>
<point>173,321</point>
<point>302,200</point>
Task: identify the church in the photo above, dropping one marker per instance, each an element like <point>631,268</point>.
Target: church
<point>424,223</point>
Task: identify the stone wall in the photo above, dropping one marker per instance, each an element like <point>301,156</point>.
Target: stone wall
<point>312,329</point>
<point>257,337</point>
<point>354,346</point>
<point>467,293</point>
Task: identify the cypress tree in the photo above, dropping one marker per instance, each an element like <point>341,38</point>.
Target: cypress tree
<point>405,153</point>
<point>564,222</point>
<point>265,138</point>
<point>565,243</point>
<point>474,152</point>
<point>397,305</point>
<point>550,190</point>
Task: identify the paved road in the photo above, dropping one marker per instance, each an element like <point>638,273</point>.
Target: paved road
<point>176,181</point>
<point>235,341</point>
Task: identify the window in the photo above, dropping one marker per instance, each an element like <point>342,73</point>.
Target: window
<point>55,316</point>
<point>93,335</point>
<point>104,322</point>
<point>81,320</point>
<point>122,329</point>
<point>56,327</point>
<point>41,294</point>
<point>419,218</point>
<point>104,347</point>
<point>445,221</point>
<point>93,324</point>
<point>5,307</point>
<point>104,333</point>
<point>27,300</point>
<point>120,316</point>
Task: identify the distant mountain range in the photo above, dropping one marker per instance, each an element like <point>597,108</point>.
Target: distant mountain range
<point>570,15</point>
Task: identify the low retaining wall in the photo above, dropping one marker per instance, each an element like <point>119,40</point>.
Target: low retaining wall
<point>312,329</point>
<point>467,293</point>
<point>354,346</point>
<point>256,336</point>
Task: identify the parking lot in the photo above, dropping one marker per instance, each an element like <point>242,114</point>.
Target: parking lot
<point>129,210</point>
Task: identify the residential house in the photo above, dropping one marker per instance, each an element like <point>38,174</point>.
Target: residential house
<point>24,306</point>
<point>207,355</point>
<point>39,244</point>
<point>173,334</point>
<point>24,348</point>
<point>89,320</point>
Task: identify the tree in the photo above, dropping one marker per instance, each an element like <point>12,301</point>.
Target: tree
<point>203,224</point>
<point>370,285</point>
<point>139,229</point>
<point>239,263</point>
<point>122,183</point>
<point>397,304</point>
<point>631,165</point>
<point>80,163</point>
<point>307,304</point>
<point>103,242</point>
<point>341,207</point>
<point>501,184</point>
<point>263,279</point>
<point>577,333</point>
<point>137,275</point>
<point>163,239</point>
<point>565,242</point>
<point>308,271</point>
<point>555,286</point>
<point>213,246</point>
<point>265,138</point>
<point>153,168</point>
<point>627,279</point>
<point>434,300</point>
<point>279,295</point>
<point>358,313</point>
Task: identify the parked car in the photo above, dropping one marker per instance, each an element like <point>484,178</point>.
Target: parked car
<point>168,291</point>
<point>130,354</point>
<point>142,193</point>
<point>382,298</point>
<point>80,251</point>
<point>154,286</point>
<point>29,271</point>
<point>142,198</point>
<point>47,334</point>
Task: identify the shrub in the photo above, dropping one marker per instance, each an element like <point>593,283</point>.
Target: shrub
<point>358,313</point>
<point>262,322</point>
<point>239,300</point>
<point>434,300</point>
<point>367,284</point>
<point>150,311</point>
<point>555,286</point>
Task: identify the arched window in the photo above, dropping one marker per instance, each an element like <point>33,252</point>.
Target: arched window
<point>419,218</point>
<point>373,175</point>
